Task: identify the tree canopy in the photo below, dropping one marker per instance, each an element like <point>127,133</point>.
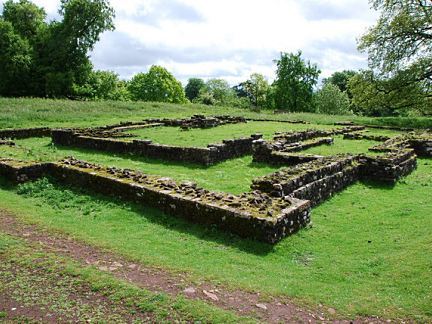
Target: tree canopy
<point>193,88</point>
<point>399,47</point>
<point>332,101</point>
<point>156,85</point>
<point>49,59</point>
<point>295,80</point>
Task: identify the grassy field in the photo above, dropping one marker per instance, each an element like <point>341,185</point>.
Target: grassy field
<point>203,137</point>
<point>58,113</point>
<point>65,291</point>
<point>367,253</point>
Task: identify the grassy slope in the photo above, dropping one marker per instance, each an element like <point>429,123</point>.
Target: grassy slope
<point>368,252</point>
<point>55,113</point>
<point>61,285</point>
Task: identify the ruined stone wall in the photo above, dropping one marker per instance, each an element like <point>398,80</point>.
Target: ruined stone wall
<point>21,133</point>
<point>361,136</point>
<point>389,167</point>
<point>6,142</point>
<point>263,152</point>
<point>254,215</point>
<point>314,181</point>
<point>294,136</point>
<point>212,154</point>
<point>19,171</point>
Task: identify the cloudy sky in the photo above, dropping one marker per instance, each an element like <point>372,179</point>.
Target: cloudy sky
<point>229,39</point>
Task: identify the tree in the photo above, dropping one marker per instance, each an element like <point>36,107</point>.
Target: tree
<point>399,47</point>
<point>294,82</point>
<point>102,85</point>
<point>375,96</point>
<point>332,101</point>
<point>257,89</point>
<point>156,85</point>
<point>193,88</point>
<point>55,53</point>
<point>340,79</point>
<point>26,18</point>
<point>217,92</point>
<point>15,61</point>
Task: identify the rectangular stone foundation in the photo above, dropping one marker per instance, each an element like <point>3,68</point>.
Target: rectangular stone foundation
<point>253,215</point>
<point>212,154</point>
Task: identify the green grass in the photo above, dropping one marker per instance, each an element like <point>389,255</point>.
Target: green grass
<point>368,252</point>
<point>233,176</point>
<point>62,286</point>
<point>15,113</point>
<point>203,137</point>
<point>341,146</point>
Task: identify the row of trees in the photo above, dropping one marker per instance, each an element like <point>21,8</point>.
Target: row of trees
<point>44,59</point>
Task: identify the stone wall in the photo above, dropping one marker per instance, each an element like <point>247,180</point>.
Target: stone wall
<point>210,155</point>
<point>389,167</point>
<point>264,152</point>
<point>314,181</point>
<point>6,142</point>
<point>362,136</point>
<point>21,133</point>
<point>20,171</point>
<point>421,143</point>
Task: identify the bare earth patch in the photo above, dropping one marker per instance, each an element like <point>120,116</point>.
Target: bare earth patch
<point>268,309</point>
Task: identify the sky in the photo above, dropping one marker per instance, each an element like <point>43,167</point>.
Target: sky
<point>229,39</point>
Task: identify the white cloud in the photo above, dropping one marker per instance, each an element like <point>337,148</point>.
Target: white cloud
<point>229,39</point>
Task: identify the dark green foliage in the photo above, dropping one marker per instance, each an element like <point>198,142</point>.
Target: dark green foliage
<point>103,85</point>
<point>377,96</point>
<point>294,83</point>
<point>49,59</point>
<point>156,85</point>
<point>340,79</point>
<point>400,56</point>
<point>193,88</point>
<point>331,100</point>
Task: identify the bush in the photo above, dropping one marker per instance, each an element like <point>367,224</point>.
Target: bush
<point>330,100</point>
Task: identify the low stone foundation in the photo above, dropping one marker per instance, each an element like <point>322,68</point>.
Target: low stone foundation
<point>20,171</point>
<point>6,142</point>
<point>254,215</point>
<point>362,136</point>
<point>420,143</point>
<point>212,154</point>
<point>389,167</point>
<point>21,133</point>
<point>314,181</point>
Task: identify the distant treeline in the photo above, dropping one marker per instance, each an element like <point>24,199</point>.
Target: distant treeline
<point>50,59</point>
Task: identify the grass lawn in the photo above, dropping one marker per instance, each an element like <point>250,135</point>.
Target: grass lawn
<point>21,112</point>
<point>62,290</point>
<point>203,137</point>
<point>343,146</point>
<point>367,253</point>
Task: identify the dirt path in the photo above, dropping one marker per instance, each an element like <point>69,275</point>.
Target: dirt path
<point>35,295</point>
<point>274,310</point>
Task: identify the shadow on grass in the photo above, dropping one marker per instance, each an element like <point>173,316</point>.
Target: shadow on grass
<point>202,232</point>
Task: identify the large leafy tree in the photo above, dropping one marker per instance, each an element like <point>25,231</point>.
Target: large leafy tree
<point>257,89</point>
<point>374,96</point>
<point>193,88</point>
<point>340,79</point>
<point>332,101</point>
<point>400,51</point>
<point>56,53</point>
<point>156,85</point>
<point>294,82</point>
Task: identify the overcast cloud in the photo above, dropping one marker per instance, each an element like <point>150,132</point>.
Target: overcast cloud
<point>229,39</point>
